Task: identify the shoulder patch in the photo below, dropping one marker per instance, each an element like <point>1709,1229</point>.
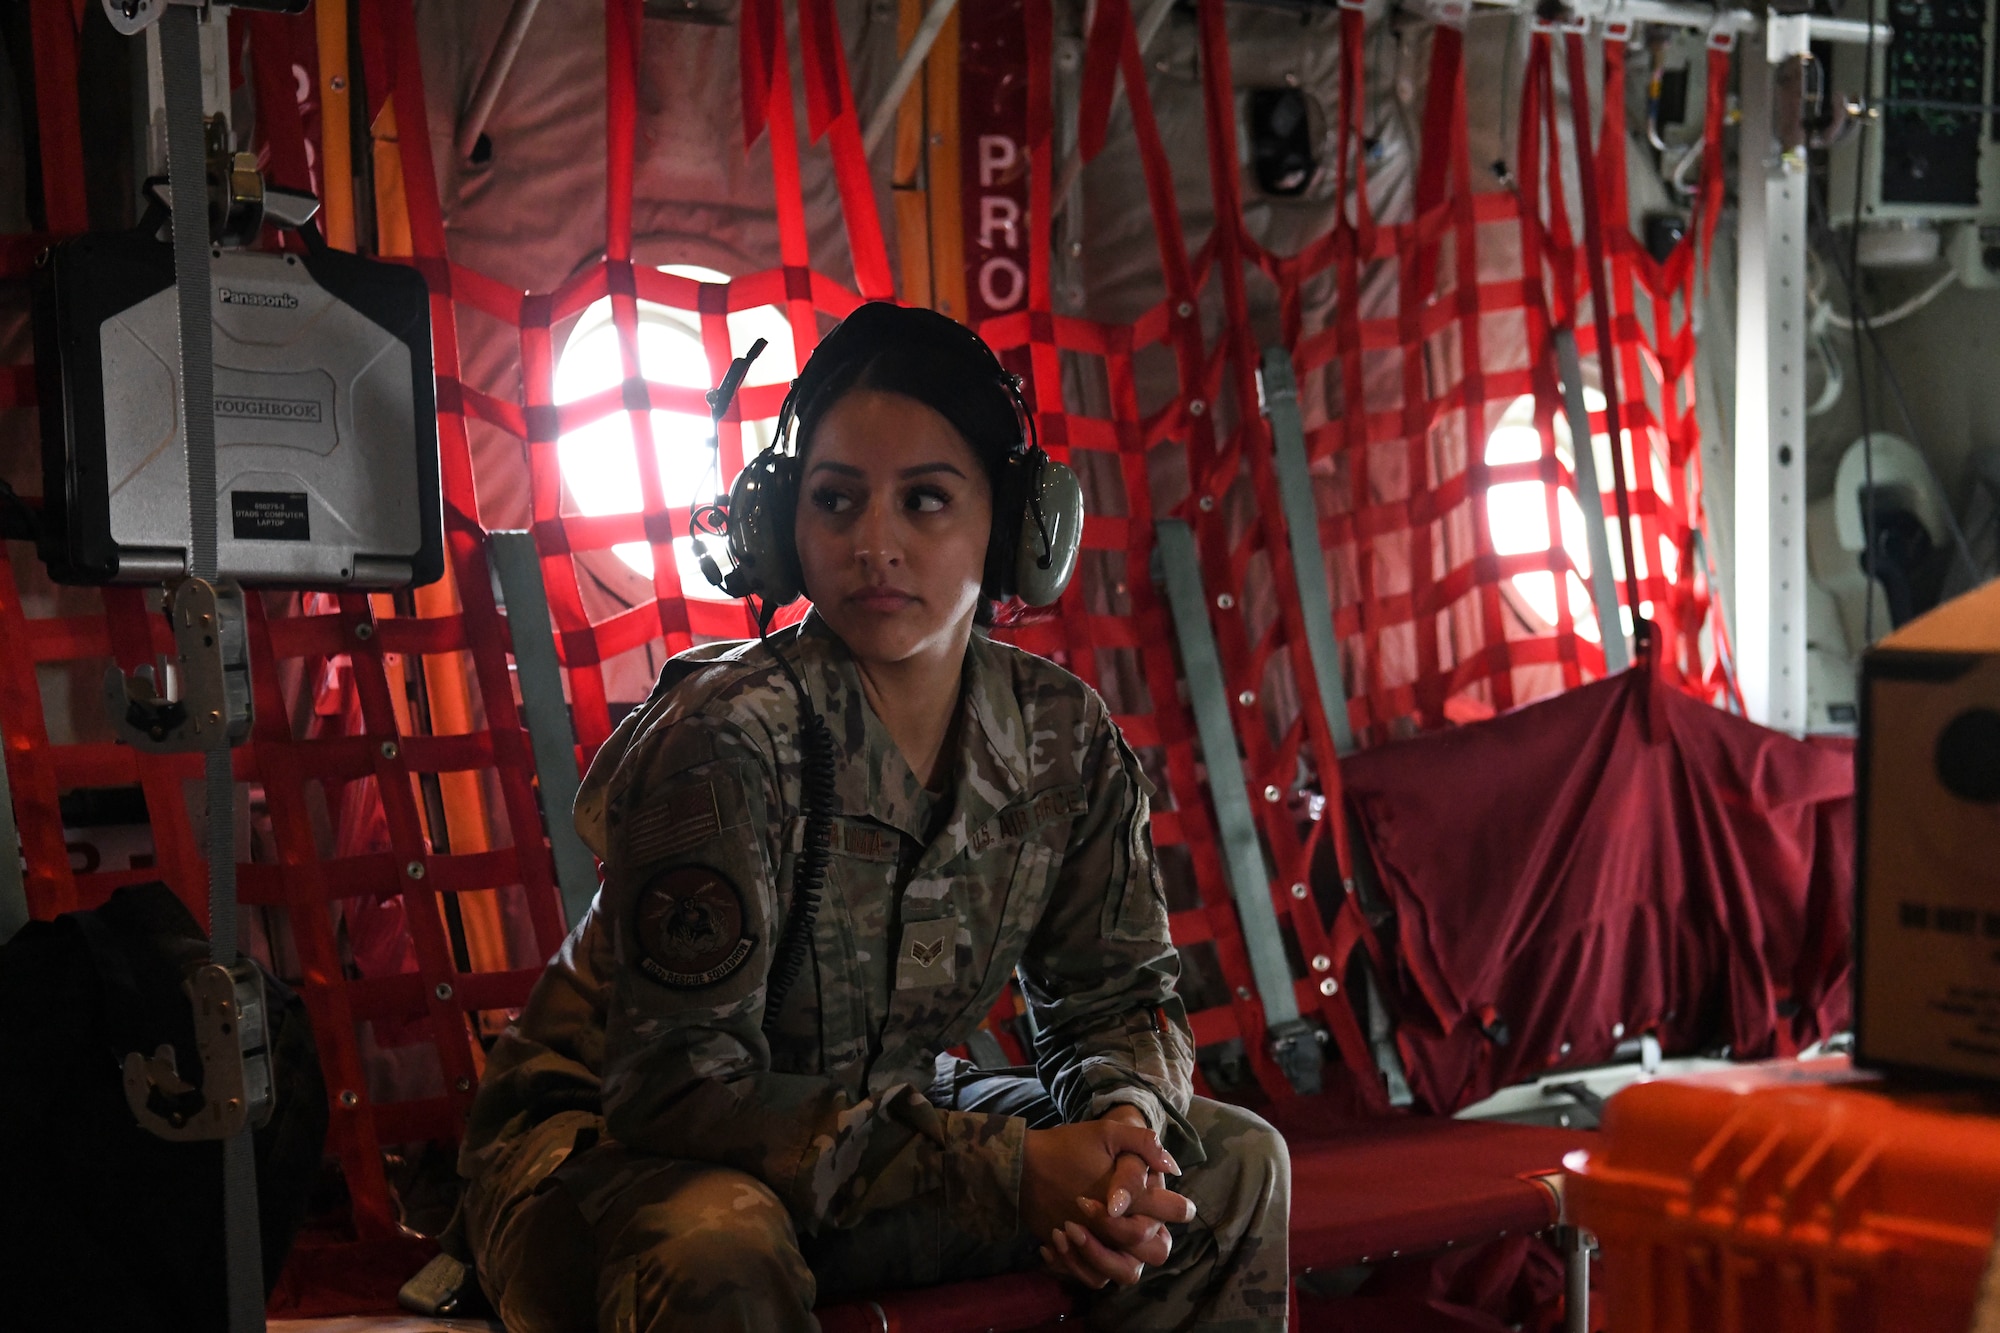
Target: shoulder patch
<point>690,928</point>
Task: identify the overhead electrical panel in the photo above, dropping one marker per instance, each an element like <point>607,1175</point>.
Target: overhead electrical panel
<point>1931,158</point>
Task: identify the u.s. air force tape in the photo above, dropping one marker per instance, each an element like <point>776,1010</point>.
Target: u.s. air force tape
<point>690,928</point>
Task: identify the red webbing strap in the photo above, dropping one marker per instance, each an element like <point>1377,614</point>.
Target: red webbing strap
<point>831,110</point>
<point>1254,428</point>
<point>760,32</point>
<point>1549,301</point>
<point>1350,244</point>
<point>419,881</point>
<point>1045,360</point>
<point>1109,30</point>
<point>1536,315</point>
<point>50,885</point>
<point>1187,415</point>
<point>1271,768</point>
<point>1353,113</point>
<point>54,36</point>
<point>1602,311</point>
<point>1182,318</point>
<point>1445,126</point>
<point>485,630</point>
<point>621,114</point>
<point>1540,182</point>
<point>287,767</point>
<point>621,62</point>
<point>1124,524</point>
<point>1416,263</point>
<point>793,248</point>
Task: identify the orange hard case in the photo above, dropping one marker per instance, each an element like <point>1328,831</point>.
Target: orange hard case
<point>1794,1197</point>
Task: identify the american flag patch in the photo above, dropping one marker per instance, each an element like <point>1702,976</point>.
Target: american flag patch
<point>680,821</point>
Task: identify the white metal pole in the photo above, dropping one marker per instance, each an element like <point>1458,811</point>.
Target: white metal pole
<point>906,73</point>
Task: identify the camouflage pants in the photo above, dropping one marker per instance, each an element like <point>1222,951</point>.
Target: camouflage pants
<point>621,1242</point>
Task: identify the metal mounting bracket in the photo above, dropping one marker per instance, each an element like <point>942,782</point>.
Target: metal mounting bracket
<point>213,708</point>
<point>232,1043</point>
<point>132,17</point>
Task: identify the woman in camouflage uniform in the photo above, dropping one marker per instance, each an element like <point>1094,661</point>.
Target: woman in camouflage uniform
<point>661,1142</point>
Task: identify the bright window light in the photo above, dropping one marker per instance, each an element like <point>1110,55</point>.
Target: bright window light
<point>600,462</point>
<point>1517,514</point>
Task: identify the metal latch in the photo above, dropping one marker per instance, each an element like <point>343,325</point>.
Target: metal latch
<point>1295,1046</point>
<point>212,658</point>
<point>232,1041</point>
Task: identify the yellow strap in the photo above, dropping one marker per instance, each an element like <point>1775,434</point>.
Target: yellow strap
<point>337,209</point>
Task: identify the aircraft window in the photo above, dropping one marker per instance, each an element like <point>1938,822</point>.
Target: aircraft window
<point>599,461</point>
<point>1517,513</point>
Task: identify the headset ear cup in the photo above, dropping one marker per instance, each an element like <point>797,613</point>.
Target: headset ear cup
<point>1062,511</point>
<point>761,545</point>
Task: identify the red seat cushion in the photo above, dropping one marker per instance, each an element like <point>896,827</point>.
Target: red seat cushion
<point>1369,1189</point>
<point>1007,1303</point>
<point>1360,1190</point>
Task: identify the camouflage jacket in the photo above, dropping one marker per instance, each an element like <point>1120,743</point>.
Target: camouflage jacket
<point>1039,858</point>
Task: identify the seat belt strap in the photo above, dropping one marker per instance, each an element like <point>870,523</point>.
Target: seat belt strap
<point>187,170</point>
<point>1590,498</point>
<point>1242,855</point>
<point>543,707</point>
<point>1295,492</point>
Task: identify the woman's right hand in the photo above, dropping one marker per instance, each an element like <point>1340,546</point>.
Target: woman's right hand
<point>1068,1175</point>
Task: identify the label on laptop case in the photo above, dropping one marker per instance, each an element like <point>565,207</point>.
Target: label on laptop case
<point>270,516</point>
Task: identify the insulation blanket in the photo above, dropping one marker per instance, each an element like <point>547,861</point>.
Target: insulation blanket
<point>1616,860</point>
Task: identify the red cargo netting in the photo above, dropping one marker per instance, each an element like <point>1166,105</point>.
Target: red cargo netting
<point>1437,624</point>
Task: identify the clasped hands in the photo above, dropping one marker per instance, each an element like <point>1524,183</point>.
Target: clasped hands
<point>1095,1195</point>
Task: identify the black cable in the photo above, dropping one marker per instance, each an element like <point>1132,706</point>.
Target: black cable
<point>816,794</point>
<point>1859,320</point>
<point>816,753</point>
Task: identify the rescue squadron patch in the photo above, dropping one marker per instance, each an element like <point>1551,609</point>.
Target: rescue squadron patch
<point>690,928</point>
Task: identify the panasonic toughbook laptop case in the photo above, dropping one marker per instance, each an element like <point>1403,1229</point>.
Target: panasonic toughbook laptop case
<point>325,417</point>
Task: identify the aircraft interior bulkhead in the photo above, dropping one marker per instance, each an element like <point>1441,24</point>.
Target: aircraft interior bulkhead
<point>980,666</point>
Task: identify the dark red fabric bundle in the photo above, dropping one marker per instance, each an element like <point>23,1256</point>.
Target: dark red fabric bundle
<point>1616,860</point>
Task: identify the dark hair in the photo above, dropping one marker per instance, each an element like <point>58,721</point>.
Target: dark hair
<point>940,363</point>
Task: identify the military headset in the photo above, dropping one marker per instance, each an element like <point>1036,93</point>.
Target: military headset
<point>1037,505</point>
